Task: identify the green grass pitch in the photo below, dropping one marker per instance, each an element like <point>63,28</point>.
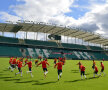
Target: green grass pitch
<point>70,80</point>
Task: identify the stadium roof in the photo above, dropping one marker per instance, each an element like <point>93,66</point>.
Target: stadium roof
<point>54,29</point>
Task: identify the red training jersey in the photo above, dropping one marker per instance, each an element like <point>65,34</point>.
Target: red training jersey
<point>102,66</point>
<point>29,64</point>
<point>19,64</point>
<point>59,65</point>
<point>96,69</point>
<point>44,64</point>
<point>14,61</point>
<point>82,68</point>
<point>10,61</point>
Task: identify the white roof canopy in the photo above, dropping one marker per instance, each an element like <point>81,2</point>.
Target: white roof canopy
<point>53,29</point>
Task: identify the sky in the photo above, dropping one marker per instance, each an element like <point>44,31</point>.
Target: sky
<point>89,15</point>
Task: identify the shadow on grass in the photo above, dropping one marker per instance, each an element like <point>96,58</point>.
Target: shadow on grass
<point>6,70</point>
<point>4,77</point>
<point>44,83</point>
<point>82,79</point>
<point>2,74</point>
<point>75,71</point>
<point>12,80</point>
<point>28,81</point>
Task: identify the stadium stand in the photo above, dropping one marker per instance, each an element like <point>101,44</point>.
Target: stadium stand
<point>8,40</point>
<point>42,43</point>
<point>19,47</point>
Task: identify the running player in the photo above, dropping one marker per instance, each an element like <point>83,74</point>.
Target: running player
<point>36,61</point>
<point>30,67</point>
<point>94,63</point>
<point>44,66</point>
<point>59,67</point>
<point>10,63</point>
<point>55,60</point>
<point>79,65</point>
<point>102,69</point>
<point>95,70</point>
<point>82,71</point>
<point>26,60</point>
<point>19,68</point>
<point>13,64</point>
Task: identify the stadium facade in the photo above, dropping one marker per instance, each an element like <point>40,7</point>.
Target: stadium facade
<point>12,46</point>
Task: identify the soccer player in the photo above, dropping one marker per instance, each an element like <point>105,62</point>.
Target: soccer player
<point>59,67</point>
<point>102,69</point>
<point>95,70</point>
<point>39,57</point>
<point>44,66</point>
<point>94,63</point>
<point>30,67</point>
<point>55,60</point>
<point>10,62</point>
<point>13,64</point>
<point>26,60</point>
<point>82,71</point>
<point>79,65</point>
<point>36,61</point>
<point>19,68</point>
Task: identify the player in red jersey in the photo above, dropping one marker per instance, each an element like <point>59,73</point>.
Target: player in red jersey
<point>102,69</point>
<point>59,67</point>
<point>30,67</point>
<point>95,70</point>
<point>39,57</point>
<point>19,68</point>
<point>79,65</point>
<point>14,63</point>
<point>94,63</point>
<point>44,66</point>
<point>82,71</point>
<point>26,60</point>
<point>55,60</point>
<point>10,63</point>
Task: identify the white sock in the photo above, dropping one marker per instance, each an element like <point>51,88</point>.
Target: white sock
<point>85,76</point>
<point>18,73</point>
<point>81,77</point>
<point>21,73</point>
<point>58,76</point>
<point>94,75</point>
<point>29,71</point>
<point>31,74</point>
<point>12,69</point>
<point>104,73</point>
<point>46,72</point>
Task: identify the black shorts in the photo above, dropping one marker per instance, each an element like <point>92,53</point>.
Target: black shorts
<point>13,66</point>
<point>93,66</point>
<point>29,69</point>
<point>45,69</point>
<point>102,70</point>
<point>36,62</point>
<point>95,72</point>
<point>59,71</point>
<point>82,72</point>
<point>19,69</point>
